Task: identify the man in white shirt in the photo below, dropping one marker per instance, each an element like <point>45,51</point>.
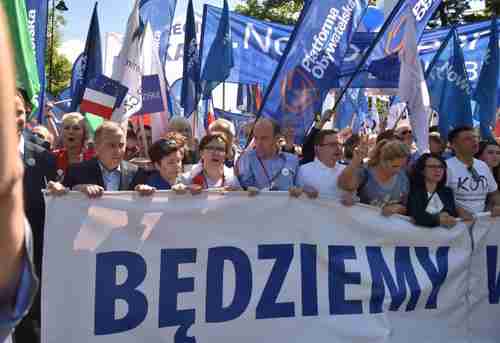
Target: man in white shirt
<point>320,176</point>
<point>471,179</point>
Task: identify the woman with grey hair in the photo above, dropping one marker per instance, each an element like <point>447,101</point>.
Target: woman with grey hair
<point>183,126</point>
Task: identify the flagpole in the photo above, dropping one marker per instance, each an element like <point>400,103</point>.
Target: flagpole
<point>224,95</point>
<point>143,137</point>
<point>388,21</point>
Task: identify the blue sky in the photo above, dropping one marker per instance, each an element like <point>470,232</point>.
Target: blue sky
<point>113,15</point>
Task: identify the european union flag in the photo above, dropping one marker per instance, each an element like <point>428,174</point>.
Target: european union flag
<point>448,85</point>
<point>220,56</point>
<point>90,62</point>
<point>486,91</point>
<point>190,95</point>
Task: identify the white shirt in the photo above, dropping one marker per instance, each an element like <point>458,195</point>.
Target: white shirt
<point>470,194</point>
<point>322,178</point>
<point>21,145</point>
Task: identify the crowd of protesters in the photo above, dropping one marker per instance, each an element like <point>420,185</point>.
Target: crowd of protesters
<point>456,180</point>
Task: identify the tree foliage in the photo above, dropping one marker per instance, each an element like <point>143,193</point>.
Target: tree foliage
<point>61,68</point>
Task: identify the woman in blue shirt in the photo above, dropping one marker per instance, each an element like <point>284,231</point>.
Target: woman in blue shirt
<point>166,156</point>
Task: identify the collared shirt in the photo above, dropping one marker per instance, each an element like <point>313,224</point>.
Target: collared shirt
<point>322,178</point>
<point>11,314</point>
<point>21,145</point>
<point>111,178</point>
<point>277,173</point>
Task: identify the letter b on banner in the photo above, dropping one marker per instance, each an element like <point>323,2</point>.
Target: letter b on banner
<point>107,291</point>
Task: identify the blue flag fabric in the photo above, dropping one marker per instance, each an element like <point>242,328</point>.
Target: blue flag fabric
<point>190,95</point>
<point>152,100</point>
<point>37,22</point>
<point>239,121</point>
<point>449,87</point>
<point>487,87</point>
<point>353,109</point>
<point>160,14</point>
<point>220,56</point>
<point>259,45</point>
<point>89,63</point>
<point>311,63</point>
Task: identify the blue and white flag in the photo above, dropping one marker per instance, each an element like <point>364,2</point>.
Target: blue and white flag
<point>449,87</point>
<point>37,24</point>
<point>129,64</point>
<point>220,56</point>
<point>191,87</point>
<point>487,87</point>
<point>312,61</point>
<point>160,14</point>
<point>90,62</point>
<point>412,87</point>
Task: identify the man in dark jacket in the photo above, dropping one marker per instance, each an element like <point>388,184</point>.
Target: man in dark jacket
<point>39,169</point>
<point>107,171</point>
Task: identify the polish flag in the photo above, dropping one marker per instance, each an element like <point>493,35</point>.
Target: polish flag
<point>98,103</point>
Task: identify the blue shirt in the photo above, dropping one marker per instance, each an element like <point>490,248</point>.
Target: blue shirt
<point>276,174</point>
<point>10,315</point>
<point>111,178</point>
<point>158,182</point>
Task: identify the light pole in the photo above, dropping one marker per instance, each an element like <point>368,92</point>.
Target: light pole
<point>61,6</point>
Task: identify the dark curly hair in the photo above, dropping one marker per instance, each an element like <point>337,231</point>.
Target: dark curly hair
<point>417,177</point>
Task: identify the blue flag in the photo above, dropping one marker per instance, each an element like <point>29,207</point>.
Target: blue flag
<point>486,91</point>
<point>312,61</point>
<point>89,63</point>
<point>352,111</point>
<point>190,95</point>
<point>239,121</point>
<point>37,22</point>
<point>220,56</point>
<point>160,14</point>
<point>449,87</point>
<point>152,100</point>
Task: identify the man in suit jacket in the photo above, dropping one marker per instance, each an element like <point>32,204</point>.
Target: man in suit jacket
<point>107,171</point>
<point>39,169</point>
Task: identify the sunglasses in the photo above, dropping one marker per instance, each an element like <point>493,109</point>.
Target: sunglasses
<point>406,132</point>
<point>475,175</point>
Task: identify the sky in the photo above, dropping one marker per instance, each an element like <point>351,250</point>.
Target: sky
<point>113,15</point>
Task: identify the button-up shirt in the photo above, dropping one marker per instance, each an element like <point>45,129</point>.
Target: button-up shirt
<point>111,178</point>
<point>322,178</point>
<point>277,173</point>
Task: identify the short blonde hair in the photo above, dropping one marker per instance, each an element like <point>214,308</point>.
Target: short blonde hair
<point>224,126</point>
<point>73,117</point>
<point>388,150</point>
<point>106,128</point>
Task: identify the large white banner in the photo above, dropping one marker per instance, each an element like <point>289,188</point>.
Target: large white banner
<point>226,268</point>
<point>484,282</point>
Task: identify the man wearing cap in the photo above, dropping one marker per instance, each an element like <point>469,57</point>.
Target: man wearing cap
<point>265,167</point>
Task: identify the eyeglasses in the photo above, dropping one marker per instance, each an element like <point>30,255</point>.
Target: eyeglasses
<point>475,175</point>
<point>435,166</point>
<point>406,132</point>
<point>169,143</point>
<point>218,149</point>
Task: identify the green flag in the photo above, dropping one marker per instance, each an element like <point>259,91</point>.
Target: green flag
<point>93,122</point>
<point>23,46</point>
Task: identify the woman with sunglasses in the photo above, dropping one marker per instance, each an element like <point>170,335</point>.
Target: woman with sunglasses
<point>73,144</point>
<point>211,172</point>
<point>166,156</point>
<point>430,202</point>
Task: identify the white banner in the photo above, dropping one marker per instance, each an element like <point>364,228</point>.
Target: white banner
<point>484,282</point>
<point>226,268</point>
